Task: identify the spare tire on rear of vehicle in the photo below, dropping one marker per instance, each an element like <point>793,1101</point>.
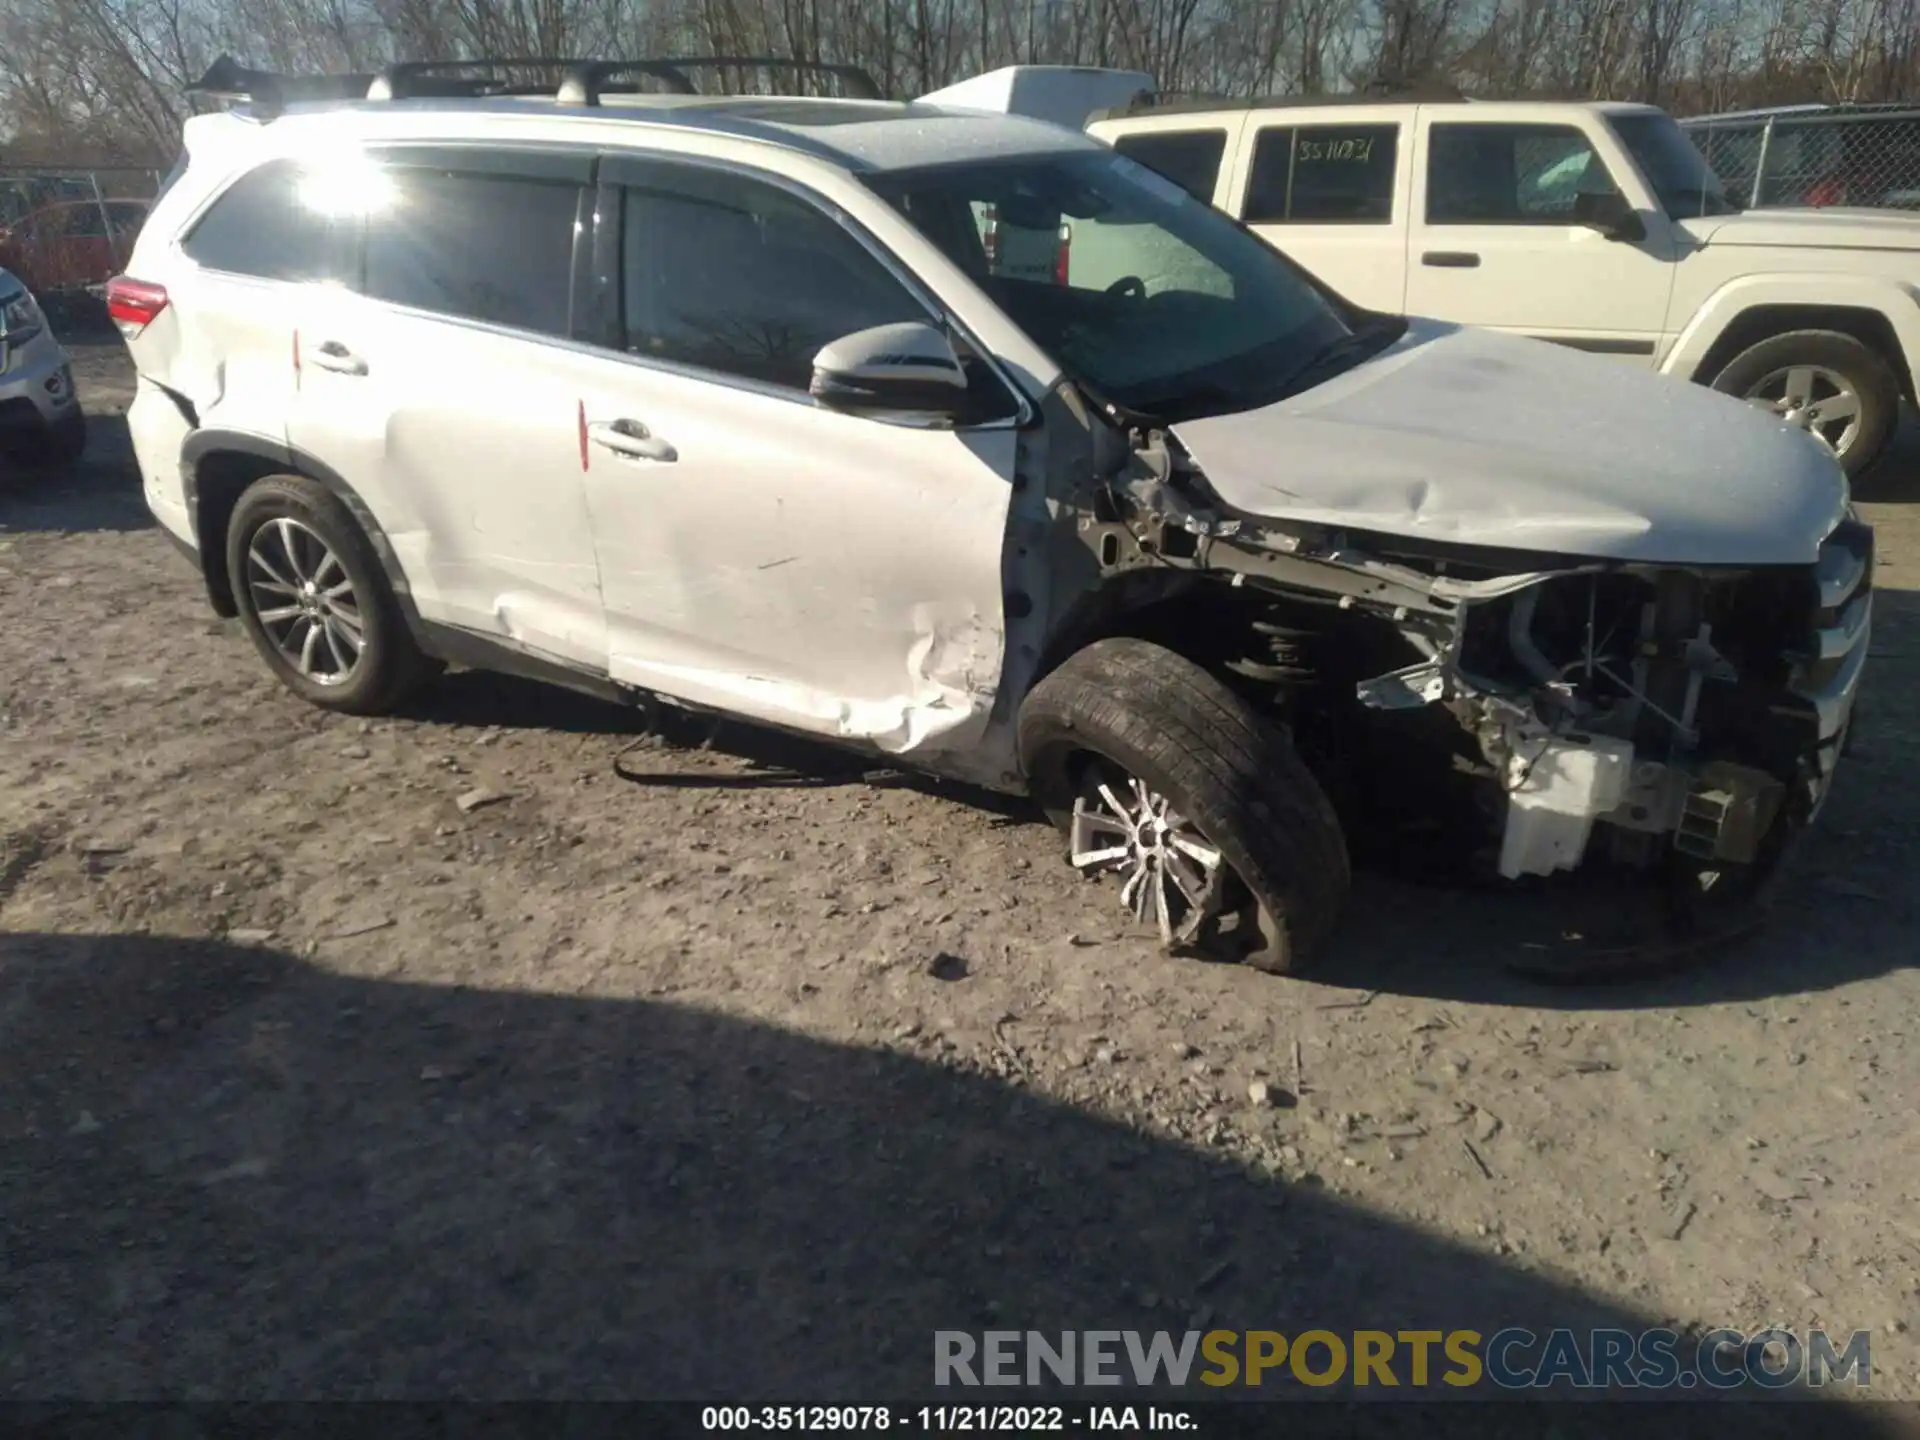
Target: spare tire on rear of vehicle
<point>1160,773</point>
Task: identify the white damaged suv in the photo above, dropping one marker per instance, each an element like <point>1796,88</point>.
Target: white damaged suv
<point>720,400</point>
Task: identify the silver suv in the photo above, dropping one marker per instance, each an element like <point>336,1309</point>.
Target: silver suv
<point>718,399</point>
<point>41,423</point>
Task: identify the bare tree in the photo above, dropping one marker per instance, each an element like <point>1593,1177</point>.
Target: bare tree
<point>109,77</point>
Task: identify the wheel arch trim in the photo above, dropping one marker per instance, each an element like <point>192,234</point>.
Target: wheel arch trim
<point>1894,302</point>
<point>206,445</point>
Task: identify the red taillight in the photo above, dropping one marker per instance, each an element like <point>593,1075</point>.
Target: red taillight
<point>1060,262</point>
<point>134,304</point>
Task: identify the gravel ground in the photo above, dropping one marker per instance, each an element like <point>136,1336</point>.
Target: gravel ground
<point>743,1081</point>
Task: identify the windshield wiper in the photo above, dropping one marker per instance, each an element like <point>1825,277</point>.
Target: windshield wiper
<point>1219,397</point>
<point>1344,353</point>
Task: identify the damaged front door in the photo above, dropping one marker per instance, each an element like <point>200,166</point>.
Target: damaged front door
<point>758,552</point>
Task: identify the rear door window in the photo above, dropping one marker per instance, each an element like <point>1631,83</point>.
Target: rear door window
<point>1323,175</point>
<point>497,248</point>
<point>1189,158</point>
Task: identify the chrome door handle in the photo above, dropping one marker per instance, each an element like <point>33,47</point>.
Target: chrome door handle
<point>631,439</point>
<point>332,355</point>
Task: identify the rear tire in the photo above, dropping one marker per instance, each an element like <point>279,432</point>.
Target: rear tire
<point>1807,377</point>
<point>1203,773</point>
<point>315,600</point>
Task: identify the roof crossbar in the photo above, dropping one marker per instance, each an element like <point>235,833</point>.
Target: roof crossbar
<point>416,79</point>
<point>228,79</point>
<point>585,85</point>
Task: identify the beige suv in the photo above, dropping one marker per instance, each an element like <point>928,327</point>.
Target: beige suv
<point>1595,226</point>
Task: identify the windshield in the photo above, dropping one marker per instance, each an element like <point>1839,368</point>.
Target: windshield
<point>1156,301</point>
<point>1679,174</point>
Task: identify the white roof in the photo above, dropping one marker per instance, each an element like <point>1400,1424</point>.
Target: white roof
<point>857,134</point>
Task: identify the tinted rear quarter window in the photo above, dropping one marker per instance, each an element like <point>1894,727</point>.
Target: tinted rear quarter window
<point>260,227</point>
<point>1189,158</point>
<point>480,247</point>
<point>1323,175</point>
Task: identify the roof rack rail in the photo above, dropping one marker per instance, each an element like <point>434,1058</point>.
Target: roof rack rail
<point>439,79</point>
<point>1374,93</point>
<point>1398,87</point>
<point>585,84</point>
<point>270,93</point>
<point>582,81</point>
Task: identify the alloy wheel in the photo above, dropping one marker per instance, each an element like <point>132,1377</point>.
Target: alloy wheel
<point>305,601</point>
<point>1172,876</point>
<point>1820,401</point>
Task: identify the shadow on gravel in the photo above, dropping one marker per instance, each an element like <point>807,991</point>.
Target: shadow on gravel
<point>1441,940</point>
<point>231,1174</point>
<point>1895,479</point>
<point>101,493</point>
<point>666,740</point>
<point>481,698</point>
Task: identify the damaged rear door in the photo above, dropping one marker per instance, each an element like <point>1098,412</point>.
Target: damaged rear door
<point>758,552</point>
<point>439,389</point>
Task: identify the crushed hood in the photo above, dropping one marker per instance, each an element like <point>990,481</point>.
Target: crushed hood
<point>1474,438</point>
<point>1827,228</point>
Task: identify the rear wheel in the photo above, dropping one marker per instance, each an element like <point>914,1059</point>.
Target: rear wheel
<point>316,602</point>
<point>1164,778</point>
<point>1837,389</point>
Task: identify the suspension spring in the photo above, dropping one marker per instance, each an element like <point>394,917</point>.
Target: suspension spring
<point>1285,656</point>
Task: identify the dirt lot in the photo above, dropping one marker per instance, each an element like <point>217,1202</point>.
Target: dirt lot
<point>744,1082</point>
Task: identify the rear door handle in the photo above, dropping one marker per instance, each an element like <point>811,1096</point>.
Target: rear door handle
<point>332,355</point>
<point>1451,259</point>
<point>631,439</point>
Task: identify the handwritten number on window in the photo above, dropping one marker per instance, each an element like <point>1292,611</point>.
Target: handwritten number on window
<point>1358,151</point>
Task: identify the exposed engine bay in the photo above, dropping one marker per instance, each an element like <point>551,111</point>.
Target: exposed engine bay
<point>1530,713</point>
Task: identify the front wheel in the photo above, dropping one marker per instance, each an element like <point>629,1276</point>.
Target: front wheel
<point>1837,389</point>
<point>1165,778</point>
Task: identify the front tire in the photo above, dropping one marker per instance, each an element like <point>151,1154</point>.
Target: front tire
<point>316,602</point>
<point>1159,772</point>
<point>1829,384</point>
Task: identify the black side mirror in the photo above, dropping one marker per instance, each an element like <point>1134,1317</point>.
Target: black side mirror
<point>908,370</point>
<point>1609,212</point>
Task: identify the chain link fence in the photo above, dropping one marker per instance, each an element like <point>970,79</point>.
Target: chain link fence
<point>1816,155</point>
